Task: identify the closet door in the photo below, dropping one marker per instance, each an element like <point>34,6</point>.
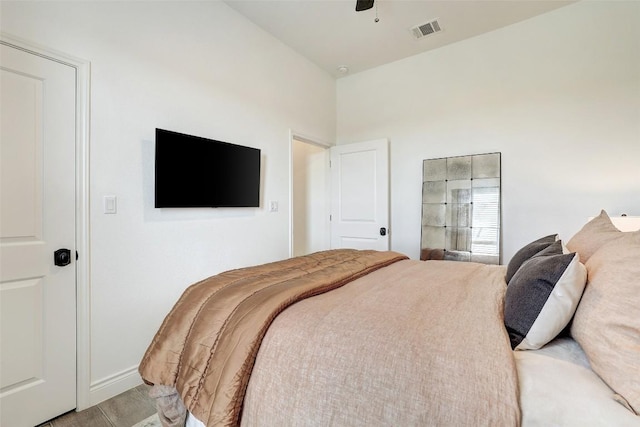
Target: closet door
<point>37,218</point>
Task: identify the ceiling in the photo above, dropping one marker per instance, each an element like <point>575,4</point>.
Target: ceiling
<point>332,34</point>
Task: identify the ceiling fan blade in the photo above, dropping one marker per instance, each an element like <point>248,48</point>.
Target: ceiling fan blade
<point>363,5</point>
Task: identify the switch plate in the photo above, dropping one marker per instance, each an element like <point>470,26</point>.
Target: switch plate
<point>110,204</point>
<point>273,206</point>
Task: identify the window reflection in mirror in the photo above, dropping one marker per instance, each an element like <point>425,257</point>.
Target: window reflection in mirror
<point>461,208</point>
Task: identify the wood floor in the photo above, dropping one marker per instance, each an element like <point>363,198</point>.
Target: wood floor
<point>123,410</point>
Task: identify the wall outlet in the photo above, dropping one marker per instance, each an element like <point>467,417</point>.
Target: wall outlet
<point>273,206</point>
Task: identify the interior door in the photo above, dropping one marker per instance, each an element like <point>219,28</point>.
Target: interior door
<point>37,217</point>
<point>360,195</point>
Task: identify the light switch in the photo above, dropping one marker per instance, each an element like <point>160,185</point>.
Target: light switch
<point>110,204</point>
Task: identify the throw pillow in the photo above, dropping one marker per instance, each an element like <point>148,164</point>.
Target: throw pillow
<point>556,248</point>
<point>607,322</point>
<point>527,252</point>
<point>541,299</point>
<point>594,234</point>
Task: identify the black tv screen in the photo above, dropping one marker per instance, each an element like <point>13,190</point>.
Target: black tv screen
<point>199,172</point>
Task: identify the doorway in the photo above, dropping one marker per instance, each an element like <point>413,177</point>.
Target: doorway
<point>309,196</point>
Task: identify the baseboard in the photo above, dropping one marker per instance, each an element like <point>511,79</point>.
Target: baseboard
<point>113,385</point>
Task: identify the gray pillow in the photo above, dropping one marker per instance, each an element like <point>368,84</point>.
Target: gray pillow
<point>527,252</point>
<point>541,299</point>
<point>556,248</point>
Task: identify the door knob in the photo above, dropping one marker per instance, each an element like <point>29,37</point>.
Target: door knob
<point>383,231</point>
<point>62,257</point>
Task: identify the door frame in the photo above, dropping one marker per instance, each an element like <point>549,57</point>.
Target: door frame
<point>298,136</point>
<point>83,306</point>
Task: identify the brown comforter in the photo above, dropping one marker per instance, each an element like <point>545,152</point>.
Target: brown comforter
<point>207,344</point>
<point>412,344</point>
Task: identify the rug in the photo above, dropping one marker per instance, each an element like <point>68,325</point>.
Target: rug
<point>152,421</point>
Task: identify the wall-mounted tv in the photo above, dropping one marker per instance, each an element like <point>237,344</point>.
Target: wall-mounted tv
<point>195,172</point>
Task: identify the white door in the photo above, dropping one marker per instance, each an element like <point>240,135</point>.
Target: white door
<point>37,217</point>
<point>360,195</point>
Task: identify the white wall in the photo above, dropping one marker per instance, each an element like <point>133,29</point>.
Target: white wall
<point>558,95</point>
<point>192,67</point>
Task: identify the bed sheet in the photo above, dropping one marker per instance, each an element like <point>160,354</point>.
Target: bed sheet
<point>558,388</point>
<point>193,421</point>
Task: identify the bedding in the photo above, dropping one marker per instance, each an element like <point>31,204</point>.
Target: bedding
<point>607,322</point>
<point>390,363</point>
<point>559,388</point>
<point>413,366</point>
<point>372,338</point>
<point>595,233</point>
<point>207,344</point>
<point>527,252</point>
<point>542,297</point>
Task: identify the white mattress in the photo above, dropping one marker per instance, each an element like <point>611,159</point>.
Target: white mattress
<point>558,388</point>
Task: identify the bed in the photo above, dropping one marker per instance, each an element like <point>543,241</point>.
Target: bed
<point>366,338</point>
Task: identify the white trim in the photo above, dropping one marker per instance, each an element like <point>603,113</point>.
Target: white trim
<point>309,140</point>
<point>113,385</point>
<point>83,278</point>
<point>83,240</point>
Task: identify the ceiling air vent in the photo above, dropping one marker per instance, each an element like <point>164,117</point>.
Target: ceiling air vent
<point>420,31</point>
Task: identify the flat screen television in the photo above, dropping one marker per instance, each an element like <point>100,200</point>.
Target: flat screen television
<point>193,172</point>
